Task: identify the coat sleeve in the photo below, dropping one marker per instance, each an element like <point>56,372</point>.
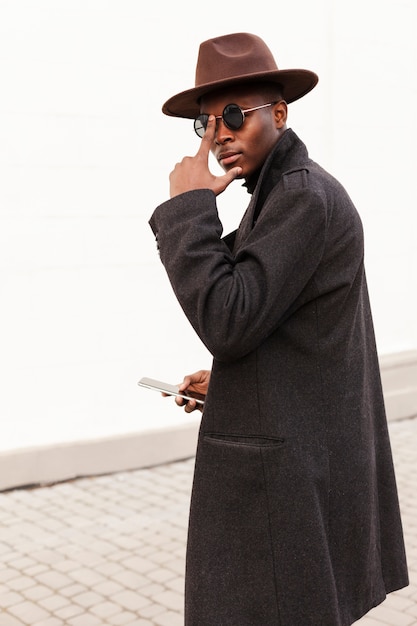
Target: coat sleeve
<point>235,300</point>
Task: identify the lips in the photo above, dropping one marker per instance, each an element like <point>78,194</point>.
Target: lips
<point>228,158</point>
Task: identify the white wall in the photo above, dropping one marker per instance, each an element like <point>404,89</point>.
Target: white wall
<point>85,155</point>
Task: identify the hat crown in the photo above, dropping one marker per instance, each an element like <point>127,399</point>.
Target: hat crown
<point>232,56</point>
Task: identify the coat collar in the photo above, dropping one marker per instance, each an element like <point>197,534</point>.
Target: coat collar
<point>288,153</point>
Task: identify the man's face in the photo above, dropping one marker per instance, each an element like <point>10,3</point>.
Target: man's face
<point>249,146</point>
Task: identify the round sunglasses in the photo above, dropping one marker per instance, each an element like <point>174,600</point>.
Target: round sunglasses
<point>233,117</point>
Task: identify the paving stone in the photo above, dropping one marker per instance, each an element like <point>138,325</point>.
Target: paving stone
<point>20,583</point>
<point>176,565</point>
<point>85,620</point>
<point>390,616</point>
<point>54,602</point>
<point>138,564</point>
<point>69,611</point>
<point>153,609</point>
<point>45,556</point>
<point>50,621</point>
<point>130,600</point>
<point>88,599</point>
<point>129,579</point>
<point>35,569</point>
<point>161,575</point>
<point>7,574</point>
<point>66,565</point>
<point>107,588</point>
<point>8,620</point>
<point>176,584</point>
<point>119,556</point>
<point>105,609</point>
<point>170,599</point>
<point>151,590</point>
<point>73,590</point>
<point>10,598</point>
<point>28,612</point>
<point>22,563</point>
<point>412,610</point>
<point>54,579</point>
<point>123,619</point>
<point>169,619</point>
<point>108,569</point>
<point>86,576</point>
<point>37,593</point>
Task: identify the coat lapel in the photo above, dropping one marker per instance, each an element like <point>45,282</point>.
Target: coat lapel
<point>289,151</point>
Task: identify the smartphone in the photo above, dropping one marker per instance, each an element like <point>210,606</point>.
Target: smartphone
<point>171,390</point>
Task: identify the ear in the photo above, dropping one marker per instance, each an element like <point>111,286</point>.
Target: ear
<point>280,113</point>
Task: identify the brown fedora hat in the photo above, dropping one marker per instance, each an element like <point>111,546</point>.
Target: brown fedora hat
<point>234,59</point>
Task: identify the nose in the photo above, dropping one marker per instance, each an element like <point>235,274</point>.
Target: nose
<point>223,134</point>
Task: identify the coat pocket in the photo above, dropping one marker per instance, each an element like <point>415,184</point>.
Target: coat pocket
<point>243,440</point>
<point>230,563</point>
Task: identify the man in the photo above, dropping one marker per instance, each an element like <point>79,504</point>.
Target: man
<point>294,515</point>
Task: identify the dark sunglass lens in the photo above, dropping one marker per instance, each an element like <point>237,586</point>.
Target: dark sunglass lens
<point>200,125</point>
<point>233,116</point>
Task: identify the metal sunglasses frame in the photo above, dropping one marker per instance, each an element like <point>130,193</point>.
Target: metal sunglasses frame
<point>204,116</point>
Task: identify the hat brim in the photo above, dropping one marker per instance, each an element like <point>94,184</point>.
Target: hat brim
<point>295,84</point>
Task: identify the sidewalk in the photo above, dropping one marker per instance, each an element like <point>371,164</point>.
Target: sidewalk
<point>109,550</point>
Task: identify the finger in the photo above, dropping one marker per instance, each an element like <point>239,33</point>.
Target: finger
<point>190,406</point>
<point>180,401</point>
<point>208,136</point>
<point>233,173</point>
<point>224,181</point>
<point>187,381</point>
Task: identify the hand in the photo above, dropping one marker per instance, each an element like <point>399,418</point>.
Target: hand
<point>197,383</point>
<point>193,172</point>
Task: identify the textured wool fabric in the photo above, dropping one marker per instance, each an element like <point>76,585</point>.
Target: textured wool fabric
<point>294,515</point>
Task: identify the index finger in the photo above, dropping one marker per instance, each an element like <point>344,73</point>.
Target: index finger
<point>185,383</point>
<point>208,136</point>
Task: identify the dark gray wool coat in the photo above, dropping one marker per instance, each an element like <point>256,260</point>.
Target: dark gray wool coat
<point>294,515</point>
